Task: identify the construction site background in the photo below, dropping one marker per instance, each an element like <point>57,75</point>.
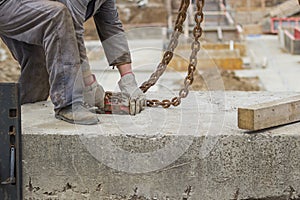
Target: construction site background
<point>254,4</point>
<point>247,13</point>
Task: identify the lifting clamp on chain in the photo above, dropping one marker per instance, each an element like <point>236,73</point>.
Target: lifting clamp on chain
<point>168,55</point>
<point>118,103</point>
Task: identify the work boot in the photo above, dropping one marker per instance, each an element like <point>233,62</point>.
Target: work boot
<point>77,114</point>
<point>94,94</point>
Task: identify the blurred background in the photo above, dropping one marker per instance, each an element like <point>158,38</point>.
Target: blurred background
<point>250,45</point>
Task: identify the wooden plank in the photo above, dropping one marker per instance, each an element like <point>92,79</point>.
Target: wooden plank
<point>225,59</point>
<point>180,64</point>
<point>226,63</point>
<point>241,47</point>
<point>269,114</point>
<point>254,29</point>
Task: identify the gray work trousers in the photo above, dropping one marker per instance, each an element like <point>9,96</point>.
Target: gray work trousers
<point>41,36</point>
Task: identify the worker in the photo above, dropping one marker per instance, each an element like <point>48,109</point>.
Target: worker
<point>46,38</point>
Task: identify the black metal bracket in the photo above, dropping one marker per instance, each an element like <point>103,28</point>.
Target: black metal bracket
<point>10,142</point>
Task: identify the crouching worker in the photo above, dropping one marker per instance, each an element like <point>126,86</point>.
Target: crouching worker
<point>46,38</point>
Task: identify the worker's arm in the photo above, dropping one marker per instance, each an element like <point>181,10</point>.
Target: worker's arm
<point>115,45</point>
<point>111,34</point>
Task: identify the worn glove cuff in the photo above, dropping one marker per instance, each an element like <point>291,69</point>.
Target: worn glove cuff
<point>124,59</point>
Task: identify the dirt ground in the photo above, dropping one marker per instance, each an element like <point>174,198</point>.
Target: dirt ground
<point>9,71</point>
<point>9,68</point>
<point>229,79</point>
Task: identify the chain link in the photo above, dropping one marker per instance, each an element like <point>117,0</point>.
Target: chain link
<point>168,55</point>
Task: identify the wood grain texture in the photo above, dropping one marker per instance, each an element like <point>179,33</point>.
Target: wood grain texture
<point>269,114</point>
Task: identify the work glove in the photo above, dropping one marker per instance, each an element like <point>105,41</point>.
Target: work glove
<point>94,94</point>
<point>132,95</point>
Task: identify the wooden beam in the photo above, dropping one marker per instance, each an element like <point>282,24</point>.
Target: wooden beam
<point>270,114</point>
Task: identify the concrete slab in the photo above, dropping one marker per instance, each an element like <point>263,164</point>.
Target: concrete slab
<point>160,153</point>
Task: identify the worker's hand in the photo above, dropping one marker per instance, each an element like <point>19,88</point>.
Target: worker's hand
<point>129,87</point>
<point>94,95</point>
<point>134,105</point>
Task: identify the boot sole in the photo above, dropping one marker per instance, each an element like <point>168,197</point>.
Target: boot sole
<point>76,122</point>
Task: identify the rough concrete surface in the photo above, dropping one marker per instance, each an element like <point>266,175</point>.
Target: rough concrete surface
<point>194,151</point>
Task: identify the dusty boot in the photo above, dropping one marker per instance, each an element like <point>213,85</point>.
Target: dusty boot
<point>94,94</point>
<point>76,114</point>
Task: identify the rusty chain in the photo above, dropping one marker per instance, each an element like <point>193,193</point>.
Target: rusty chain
<point>168,55</point>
